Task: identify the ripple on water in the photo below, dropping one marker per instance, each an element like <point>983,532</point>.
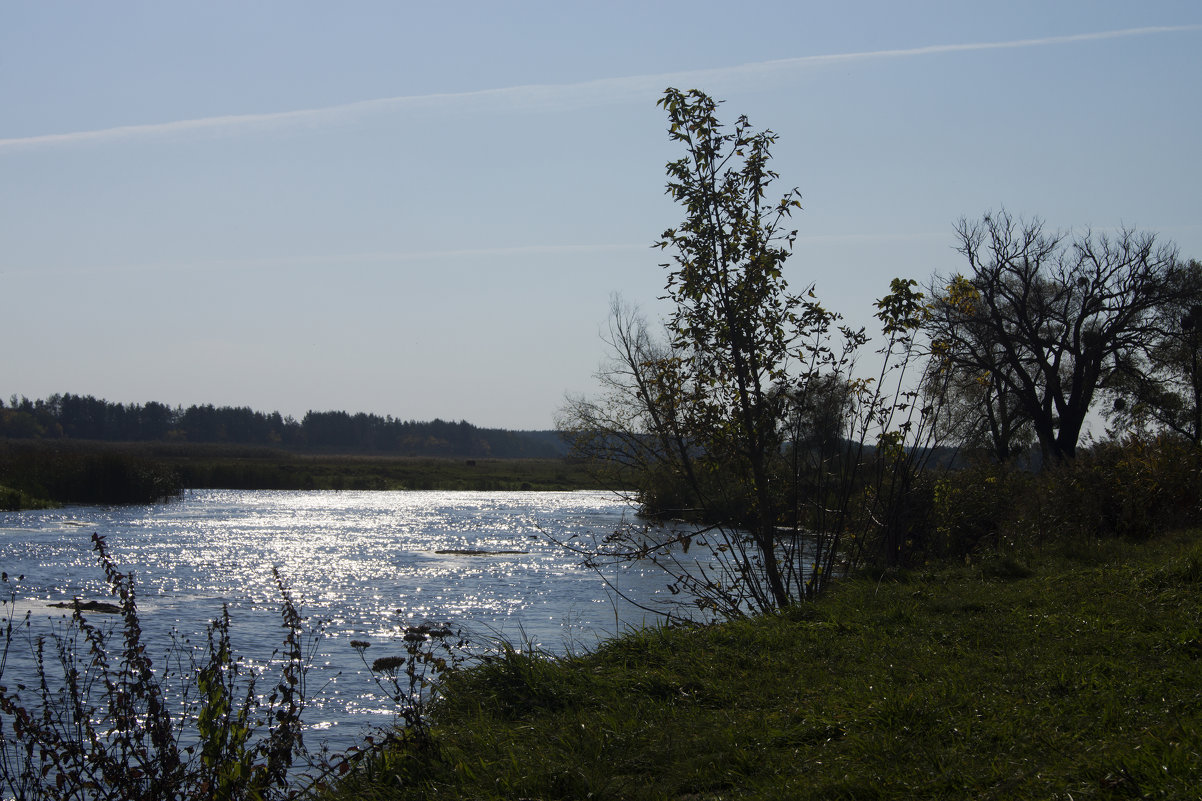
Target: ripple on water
<point>363,562</point>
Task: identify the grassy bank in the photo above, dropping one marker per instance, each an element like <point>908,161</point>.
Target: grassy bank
<point>280,470</point>
<point>1072,674</point>
<point>36,473</point>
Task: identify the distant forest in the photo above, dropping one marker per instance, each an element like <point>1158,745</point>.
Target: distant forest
<point>82,417</point>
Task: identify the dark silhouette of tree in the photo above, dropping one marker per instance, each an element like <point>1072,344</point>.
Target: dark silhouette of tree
<point>1045,320</point>
<point>984,413</point>
<point>700,418</point>
<point>88,418</point>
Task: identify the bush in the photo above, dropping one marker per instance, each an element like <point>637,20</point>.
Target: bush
<point>975,508</point>
<point>13,499</point>
<point>1136,487</point>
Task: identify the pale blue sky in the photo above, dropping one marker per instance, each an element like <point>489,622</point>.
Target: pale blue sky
<point>422,209</point>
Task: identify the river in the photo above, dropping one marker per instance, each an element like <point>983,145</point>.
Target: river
<point>362,565</point>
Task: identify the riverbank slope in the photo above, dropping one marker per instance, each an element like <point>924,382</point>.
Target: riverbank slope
<point>1071,673</point>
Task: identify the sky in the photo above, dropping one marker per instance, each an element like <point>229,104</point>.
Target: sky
<point>423,209</point>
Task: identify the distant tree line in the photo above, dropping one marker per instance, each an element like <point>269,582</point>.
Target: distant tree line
<point>83,417</point>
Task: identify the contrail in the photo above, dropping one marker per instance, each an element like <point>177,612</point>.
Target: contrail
<point>338,259</point>
<point>587,93</point>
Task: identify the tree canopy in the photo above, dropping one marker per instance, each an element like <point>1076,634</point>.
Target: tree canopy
<point>1044,320</point>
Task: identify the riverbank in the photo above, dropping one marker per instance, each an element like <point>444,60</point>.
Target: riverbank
<point>286,471</point>
<point>1068,673</point>
<point>40,474</point>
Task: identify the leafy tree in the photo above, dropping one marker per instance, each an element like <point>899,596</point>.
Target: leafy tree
<point>704,418</point>
<point>734,322</point>
<point>1047,319</point>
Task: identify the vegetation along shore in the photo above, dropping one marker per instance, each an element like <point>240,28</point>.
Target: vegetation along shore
<point>40,473</point>
<point>1019,622</point>
<point>80,449</point>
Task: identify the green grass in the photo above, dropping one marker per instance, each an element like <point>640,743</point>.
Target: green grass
<point>1064,675</point>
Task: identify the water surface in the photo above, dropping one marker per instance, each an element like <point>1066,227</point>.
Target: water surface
<point>363,563</point>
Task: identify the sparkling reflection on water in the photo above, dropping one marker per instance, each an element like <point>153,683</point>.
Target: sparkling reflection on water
<point>366,563</point>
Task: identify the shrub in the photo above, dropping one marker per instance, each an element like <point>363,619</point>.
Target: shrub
<point>1135,487</point>
<point>106,724</point>
<point>974,508</point>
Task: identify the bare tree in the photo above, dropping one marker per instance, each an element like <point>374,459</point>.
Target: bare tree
<point>983,413</point>
<point>1051,317</point>
<point>634,427</point>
